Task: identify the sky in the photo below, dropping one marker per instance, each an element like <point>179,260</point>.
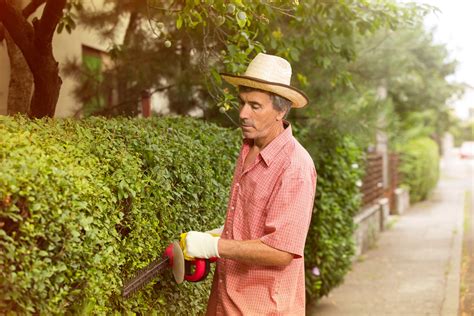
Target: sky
<point>453,25</point>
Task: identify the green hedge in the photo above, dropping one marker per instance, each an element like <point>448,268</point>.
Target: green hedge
<point>330,247</point>
<point>84,204</point>
<point>419,167</point>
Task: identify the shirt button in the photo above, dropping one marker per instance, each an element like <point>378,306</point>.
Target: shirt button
<point>232,208</point>
<point>220,281</point>
<point>237,185</point>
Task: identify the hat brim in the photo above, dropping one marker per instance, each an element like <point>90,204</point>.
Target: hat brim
<point>296,96</point>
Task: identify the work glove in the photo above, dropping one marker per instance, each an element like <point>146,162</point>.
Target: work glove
<point>216,231</point>
<point>199,245</point>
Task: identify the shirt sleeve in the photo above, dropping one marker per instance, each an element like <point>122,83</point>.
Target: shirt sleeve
<point>289,212</point>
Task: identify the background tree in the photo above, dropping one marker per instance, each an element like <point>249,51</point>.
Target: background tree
<point>21,80</point>
<point>158,53</point>
<point>413,71</point>
<point>182,46</point>
<point>34,40</point>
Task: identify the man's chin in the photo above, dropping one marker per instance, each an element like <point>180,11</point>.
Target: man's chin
<point>247,134</point>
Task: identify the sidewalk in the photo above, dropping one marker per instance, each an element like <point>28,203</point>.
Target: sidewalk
<point>415,267</point>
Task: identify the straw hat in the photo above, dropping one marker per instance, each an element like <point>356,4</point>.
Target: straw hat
<point>269,73</point>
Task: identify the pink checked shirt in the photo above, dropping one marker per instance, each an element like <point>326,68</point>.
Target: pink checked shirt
<point>272,201</point>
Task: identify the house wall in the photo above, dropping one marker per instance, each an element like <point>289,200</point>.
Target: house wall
<point>69,47</point>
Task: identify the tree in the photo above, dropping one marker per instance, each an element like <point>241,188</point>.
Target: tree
<point>21,80</point>
<point>183,45</point>
<point>414,71</point>
<point>158,53</point>
<point>35,42</point>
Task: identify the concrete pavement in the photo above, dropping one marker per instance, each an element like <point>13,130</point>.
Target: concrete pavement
<point>415,267</point>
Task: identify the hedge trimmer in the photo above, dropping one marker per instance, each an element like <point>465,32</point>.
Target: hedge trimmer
<point>173,258</point>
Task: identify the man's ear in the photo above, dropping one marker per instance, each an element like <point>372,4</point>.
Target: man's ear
<point>280,115</point>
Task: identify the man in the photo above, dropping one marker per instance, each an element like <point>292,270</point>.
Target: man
<point>261,267</point>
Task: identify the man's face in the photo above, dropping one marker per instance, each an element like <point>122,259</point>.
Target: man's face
<point>258,119</point>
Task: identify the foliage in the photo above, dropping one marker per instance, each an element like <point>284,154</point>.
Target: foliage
<point>419,167</point>
<point>329,246</point>
<point>410,71</point>
<point>203,38</point>
<point>462,131</point>
<point>84,204</point>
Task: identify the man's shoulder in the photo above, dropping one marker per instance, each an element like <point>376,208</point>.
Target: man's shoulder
<point>300,153</point>
<point>300,159</point>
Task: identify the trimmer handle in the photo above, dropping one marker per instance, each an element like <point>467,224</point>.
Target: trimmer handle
<point>201,269</point>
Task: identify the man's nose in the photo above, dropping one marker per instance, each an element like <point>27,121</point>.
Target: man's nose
<point>244,112</point>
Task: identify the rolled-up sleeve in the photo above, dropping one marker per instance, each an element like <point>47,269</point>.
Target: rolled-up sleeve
<point>289,211</point>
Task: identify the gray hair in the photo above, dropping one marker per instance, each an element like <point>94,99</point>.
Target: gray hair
<point>281,104</point>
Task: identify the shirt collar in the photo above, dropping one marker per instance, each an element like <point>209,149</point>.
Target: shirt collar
<point>276,145</point>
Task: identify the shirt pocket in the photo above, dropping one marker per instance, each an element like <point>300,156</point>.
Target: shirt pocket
<point>255,192</point>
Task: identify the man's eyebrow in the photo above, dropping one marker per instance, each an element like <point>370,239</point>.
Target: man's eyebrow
<point>249,102</point>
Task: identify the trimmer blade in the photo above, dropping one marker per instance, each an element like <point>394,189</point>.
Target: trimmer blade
<point>178,263</point>
<point>144,276</point>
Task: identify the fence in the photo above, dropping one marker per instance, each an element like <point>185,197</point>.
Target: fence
<point>372,185</point>
<point>393,179</point>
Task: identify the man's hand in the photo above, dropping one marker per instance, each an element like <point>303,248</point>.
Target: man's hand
<point>216,231</point>
<point>201,245</point>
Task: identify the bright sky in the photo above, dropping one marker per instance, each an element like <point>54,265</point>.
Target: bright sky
<point>454,26</point>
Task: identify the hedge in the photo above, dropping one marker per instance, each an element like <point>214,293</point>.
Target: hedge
<point>330,246</point>
<point>419,167</point>
<point>84,204</point>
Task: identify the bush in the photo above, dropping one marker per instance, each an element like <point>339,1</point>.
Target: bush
<point>419,167</point>
<point>84,204</point>
<point>329,246</point>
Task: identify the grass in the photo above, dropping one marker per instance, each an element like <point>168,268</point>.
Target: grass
<point>466,259</point>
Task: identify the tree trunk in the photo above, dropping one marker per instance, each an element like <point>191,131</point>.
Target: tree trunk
<point>35,42</point>
<point>47,87</point>
<point>21,80</point>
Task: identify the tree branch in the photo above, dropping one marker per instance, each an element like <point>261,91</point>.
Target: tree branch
<point>132,23</point>
<point>2,33</point>
<point>32,7</point>
<point>19,29</point>
<point>53,11</point>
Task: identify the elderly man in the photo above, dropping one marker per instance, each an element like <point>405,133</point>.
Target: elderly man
<point>260,270</point>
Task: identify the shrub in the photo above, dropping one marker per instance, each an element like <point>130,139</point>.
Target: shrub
<point>84,204</point>
<point>329,246</point>
<point>419,167</point>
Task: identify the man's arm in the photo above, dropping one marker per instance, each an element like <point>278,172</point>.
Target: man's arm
<point>253,252</point>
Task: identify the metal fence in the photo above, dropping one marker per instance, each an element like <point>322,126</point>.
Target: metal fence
<point>372,188</point>
<point>372,184</point>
